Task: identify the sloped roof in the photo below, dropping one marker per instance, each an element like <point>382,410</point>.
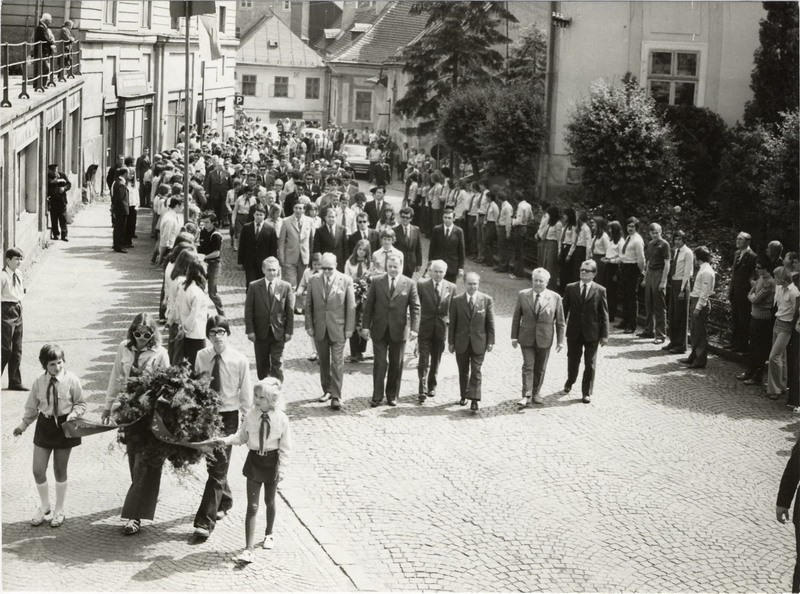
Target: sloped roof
<point>254,46</point>
<point>392,30</point>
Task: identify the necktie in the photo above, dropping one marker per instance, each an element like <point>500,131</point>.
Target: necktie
<point>391,287</point>
<point>471,305</point>
<point>594,241</point>
<point>258,230</point>
<point>536,305</point>
<point>263,434</point>
<point>52,388</point>
<point>215,379</point>
<point>15,279</point>
<point>385,260</point>
<point>438,295</point>
<point>136,355</point>
<point>625,245</point>
<point>446,232</point>
<point>342,219</point>
<point>327,287</point>
<point>330,230</point>
<point>269,291</point>
<point>360,270</point>
<point>583,292</point>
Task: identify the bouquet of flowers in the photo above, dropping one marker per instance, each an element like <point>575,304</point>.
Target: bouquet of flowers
<point>361,288</point>
<point>185,403</point>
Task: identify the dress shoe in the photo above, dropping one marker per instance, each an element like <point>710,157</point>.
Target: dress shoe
<point>677,351</point>
<point>538,399</point>
<point>422,398</point>
<point>201,533</point>
<point>121,251</point>
<point>658,341</point>
<point>567,388</point>
<point>686,361</point>
<point>743,376</point>
<point>586,399</point>
<point>335,404</point>
<point>391,402</point>
<point>373,404</point>
<point>628,331</point>
<point>741,349</point>
<point>697,366</point>
<point>645,334</point>
<point>355,359</point>
<point>667,347</point>
<point>462,402</point>
<point>751,382</point>
<point>431,393</point>
<point>474,406</point>
<point>221,515</point>
<point>325,397</point>
<point>65,239</point>
<point>523,402</point>
<point>18,388</point>
<point>729,347</point>
<point>421,390</point>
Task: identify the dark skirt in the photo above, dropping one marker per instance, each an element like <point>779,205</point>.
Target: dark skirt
<point>50,436</point>
<point>262,469</point>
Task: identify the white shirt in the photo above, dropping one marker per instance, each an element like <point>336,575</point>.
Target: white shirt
<point>703,285</point>
<point>193,311</point>
<point>634,252</point>
<point>234,378</point>
<point>169,226</point>
<point>379,259</point>
<point>684,266</point>
<point>613,251</point>
<point>524,214</point>
<point>279,438</point>
<point>155,357</point>
<point>11,290</point>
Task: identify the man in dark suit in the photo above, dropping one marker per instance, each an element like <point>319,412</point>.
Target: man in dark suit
<point>120,203</point>
<point>538,318</point>
<point>408,241</point>
<point>392,302</point>
<point>257,242</point>
<point>216,185</point>
<point>471,336</point>
<point>57,198</point>
<point>435,294</point>
<point>744,265</point>
<point>447,243</point>
<point>375,208</point>
<point>364,232</point>
<point>269,319</point>
<point>332,239</point>
<point>586,310</point>
<point>789,489</point>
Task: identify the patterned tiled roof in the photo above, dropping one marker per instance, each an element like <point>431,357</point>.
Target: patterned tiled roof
<point>392,31</point>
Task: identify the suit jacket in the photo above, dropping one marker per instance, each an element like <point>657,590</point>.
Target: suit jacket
<point>790,484</point>
<point>57,199</point>
<point>336,244</point>
<point>120,200</point>
<point>294,241</point>
<point>434,312</point>
<point>262,313</point>
<point>742,273</point>
<point>373,237</point>
<point>411,247</point>
<point>586,318</point>
<point>475,329</point>
<point>216,184</point>
<point>534,326</point>
<point>334,312</point>
<point>383,310</point>
<point>254,250</point>
<point>375,215</point>
<point>451,250</point>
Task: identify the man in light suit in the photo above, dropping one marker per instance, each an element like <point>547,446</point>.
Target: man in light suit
<point>391,301</point>
<point>537,314</point>
<point>447,243</point>
<point>407,240</point>
<point>294,245</point>
<point>332,238</point>
<point>269,319</point>
<point>330,321</point>
<point>257,243</point>
<point>435,294</point>
<point>471,336</point>
<point>586,310</point>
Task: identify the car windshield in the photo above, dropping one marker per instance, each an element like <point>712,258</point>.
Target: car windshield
<point>355,150</point>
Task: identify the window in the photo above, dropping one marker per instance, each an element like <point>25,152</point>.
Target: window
<point>673,77</point>
<point>281,86</point>
<point>287,5</point>
<point>222,14</point>
<point>363,106</point>
<point>249,85</point>
<point>110,12</point>
<point>146,15</point>
<point>148,65</point>
<point>312,88</point>
<point>247,4</point>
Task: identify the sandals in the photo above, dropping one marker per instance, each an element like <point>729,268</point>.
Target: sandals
<point>57,520</point>
<point>132,527</point>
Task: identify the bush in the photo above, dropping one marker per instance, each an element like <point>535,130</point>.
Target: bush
<point>460,120</point>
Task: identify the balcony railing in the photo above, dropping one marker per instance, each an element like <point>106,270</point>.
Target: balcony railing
<point>47,68</point>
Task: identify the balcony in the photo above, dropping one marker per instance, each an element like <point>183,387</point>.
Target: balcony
<point>26,67</point>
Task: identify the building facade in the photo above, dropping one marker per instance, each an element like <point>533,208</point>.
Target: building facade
<point>278,75</point>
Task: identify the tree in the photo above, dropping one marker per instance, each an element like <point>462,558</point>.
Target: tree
<point>527,58</point>
<point>513,132</point>
<point>626,151</point>
<point>460,120</point>
<point>776,73</point>
<point>456,48</point>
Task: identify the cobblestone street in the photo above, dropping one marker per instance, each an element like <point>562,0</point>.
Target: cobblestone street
<point>665,482</point>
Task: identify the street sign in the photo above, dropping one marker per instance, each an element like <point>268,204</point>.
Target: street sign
<point>238,100</point>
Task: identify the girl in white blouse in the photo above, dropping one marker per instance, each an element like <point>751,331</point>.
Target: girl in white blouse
<point>598,248</point>
<point>193,311</point>
<point>580,249</point>
<point>612,260</point>
<point>265,431</point>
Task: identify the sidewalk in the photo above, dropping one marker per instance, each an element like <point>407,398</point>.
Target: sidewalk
<point>82,296</point>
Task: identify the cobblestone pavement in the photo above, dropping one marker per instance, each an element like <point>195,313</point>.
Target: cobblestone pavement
<point>666,482</point>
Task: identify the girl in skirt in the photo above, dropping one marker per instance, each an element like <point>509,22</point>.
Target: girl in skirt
<point>55,398</point>
<point>265,430</point>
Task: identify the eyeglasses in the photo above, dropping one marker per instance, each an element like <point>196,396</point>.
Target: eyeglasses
<point>217,332</point>
<point>145,335</point>
<point>405,217</point>
<point>587,270</point>
<point>327,267</point>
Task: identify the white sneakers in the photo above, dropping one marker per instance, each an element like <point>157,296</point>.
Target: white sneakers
<point>269,541</point>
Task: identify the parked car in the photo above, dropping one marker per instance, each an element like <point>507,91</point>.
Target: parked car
<point>357,157</point>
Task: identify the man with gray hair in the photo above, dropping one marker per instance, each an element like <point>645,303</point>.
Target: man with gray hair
<point>538,317</point>
<point>656,273</point>
<point>434,297</point>
<point>744,265</point>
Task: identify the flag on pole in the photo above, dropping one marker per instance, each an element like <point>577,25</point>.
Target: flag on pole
<point>177,8</point>
<point>208,36</point>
